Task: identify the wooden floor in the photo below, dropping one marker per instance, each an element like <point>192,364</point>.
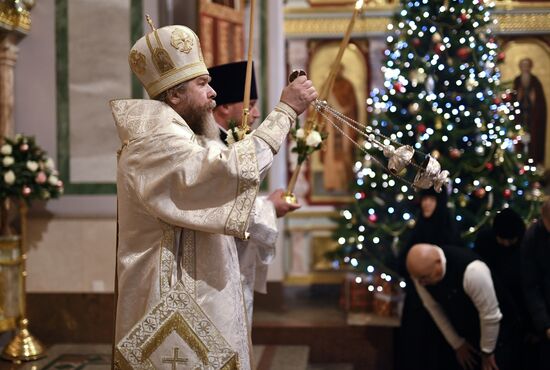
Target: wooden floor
<point>309,325</point>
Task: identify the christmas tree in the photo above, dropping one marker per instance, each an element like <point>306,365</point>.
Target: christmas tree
<point>443,97</point>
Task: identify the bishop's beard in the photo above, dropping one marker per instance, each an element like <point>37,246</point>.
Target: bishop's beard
<point>201,120</point>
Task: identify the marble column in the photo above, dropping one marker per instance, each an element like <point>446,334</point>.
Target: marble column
<point>8,57</point>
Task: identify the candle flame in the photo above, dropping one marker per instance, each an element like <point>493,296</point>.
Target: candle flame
<point>359,4</point>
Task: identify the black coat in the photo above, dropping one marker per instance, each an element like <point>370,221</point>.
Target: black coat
<point>419,343</point>
<point>535,268</point>
<point>503,262</point>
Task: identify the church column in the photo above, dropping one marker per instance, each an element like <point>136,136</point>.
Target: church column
<point>8,57</point>
<point>15,22</point>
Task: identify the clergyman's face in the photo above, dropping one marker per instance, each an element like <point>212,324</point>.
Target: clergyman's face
<point>198,95</point>
<point>195,103</point>
<point>235,112</point>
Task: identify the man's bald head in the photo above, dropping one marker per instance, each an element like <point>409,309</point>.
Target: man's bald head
<point>424,264</point>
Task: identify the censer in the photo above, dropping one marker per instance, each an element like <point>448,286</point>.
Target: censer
<point>399,156</point>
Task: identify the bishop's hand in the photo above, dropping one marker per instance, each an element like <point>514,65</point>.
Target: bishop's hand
<point>299,94</point>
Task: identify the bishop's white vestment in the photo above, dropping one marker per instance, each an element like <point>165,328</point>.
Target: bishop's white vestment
<point>180,205</point>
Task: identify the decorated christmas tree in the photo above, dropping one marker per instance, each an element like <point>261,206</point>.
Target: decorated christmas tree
<point>443,97</point>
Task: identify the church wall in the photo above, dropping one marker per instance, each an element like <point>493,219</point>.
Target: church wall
<point>72,239</point>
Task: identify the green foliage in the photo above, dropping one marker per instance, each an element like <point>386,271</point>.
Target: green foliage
<point>442,96</point>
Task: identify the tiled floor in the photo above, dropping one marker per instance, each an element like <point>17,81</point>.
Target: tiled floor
<point>98,357</point>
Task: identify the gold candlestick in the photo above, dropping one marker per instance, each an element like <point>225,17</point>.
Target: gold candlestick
<point>313,117</point>
<point>24,346</point>
<point>248,79</point>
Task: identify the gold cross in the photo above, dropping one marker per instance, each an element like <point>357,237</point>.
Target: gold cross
<point>174,361</point>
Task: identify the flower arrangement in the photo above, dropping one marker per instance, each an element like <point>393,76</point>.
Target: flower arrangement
<point>26,174</point>
<point>306,142</point>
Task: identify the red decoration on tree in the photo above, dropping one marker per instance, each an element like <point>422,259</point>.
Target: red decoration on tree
<point>421,128</point>
<point>438,48</point>
<point>463,52</point>
<point>489,166</point>
<point>507,193</point>
<point>507,97</point>
<point>398,86</point>
<point>480,193</point>
<point>455,153</point>
<point>501,56</point>
<point>497,101</point>
<point>373,218</point>
<point>464,17</point>
<point>416,42</point>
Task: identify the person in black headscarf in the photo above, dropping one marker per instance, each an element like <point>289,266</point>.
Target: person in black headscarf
<point>418,332</point>
<point>499,247</point>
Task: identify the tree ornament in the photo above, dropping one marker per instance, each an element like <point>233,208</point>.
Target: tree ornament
<point>421,76</point>
<point>430,84</point>
<point>471,83</point>
<point>455,153</point>
<point>414,108</point>
<point>438,123</point>
<point>436,37</point>
<point>464,17</point>
<point>439,47</point>
<point>463,52</point>
<point>436,154</point>
<point>398,86</point>
<point>462,201</point>
<point>421,128</point>
<point>497,101</point>
<point>489,166</point>
<point>501,56</point>
<point>416,42</point>
<point>507,193</point>
<point>373,218</point>
<point>480,192</point>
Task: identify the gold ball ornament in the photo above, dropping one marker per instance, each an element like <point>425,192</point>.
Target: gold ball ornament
<point>462,201</point>
<point>414,108</point>
<point>438,123</point>
<point>436,154</point>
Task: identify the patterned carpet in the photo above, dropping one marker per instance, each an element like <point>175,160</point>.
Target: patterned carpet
<point>98,357</point>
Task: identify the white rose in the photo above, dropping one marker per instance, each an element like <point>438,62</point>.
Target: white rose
<point>7,161</point>
<point>53,180</point>
<point>6,149</point>
<point>300,133</point>
<point>49,164</point>
<point>314,139</point>
<point>32,166</point>
<point>9,177</point>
